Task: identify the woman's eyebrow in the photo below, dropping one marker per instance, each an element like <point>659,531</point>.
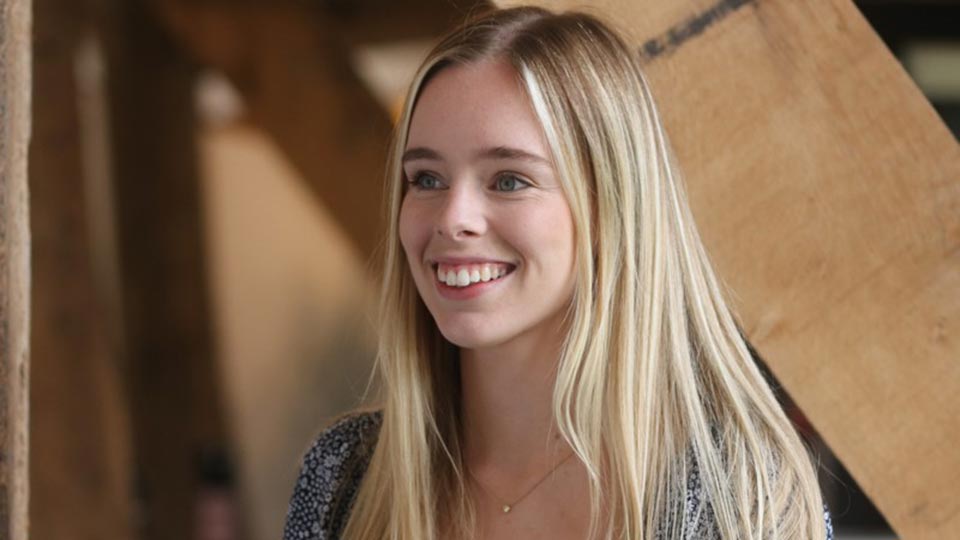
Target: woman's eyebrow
<point>420,152</point>
<point>494,152</point>
<point>506,152</point>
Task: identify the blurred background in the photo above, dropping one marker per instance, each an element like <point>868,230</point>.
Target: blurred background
<point>205,193</point>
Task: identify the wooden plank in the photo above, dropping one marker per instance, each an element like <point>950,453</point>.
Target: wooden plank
<point>170,363</point>
<point>294,72</point>
<point>828,192</point>
<point>81,485</point>
<point>15,59</point>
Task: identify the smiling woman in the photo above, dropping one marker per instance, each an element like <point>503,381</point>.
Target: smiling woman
<point>557,357</point>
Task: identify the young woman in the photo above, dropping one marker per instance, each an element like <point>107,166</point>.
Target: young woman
<point>557,356</point>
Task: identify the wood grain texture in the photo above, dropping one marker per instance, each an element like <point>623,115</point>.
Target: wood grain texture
<point>827,191</point>
<point>15,61</point>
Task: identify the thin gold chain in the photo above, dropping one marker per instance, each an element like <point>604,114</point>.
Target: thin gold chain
<point>507,507</point>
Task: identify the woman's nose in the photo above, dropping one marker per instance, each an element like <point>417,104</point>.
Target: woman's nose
<point>461,214</point>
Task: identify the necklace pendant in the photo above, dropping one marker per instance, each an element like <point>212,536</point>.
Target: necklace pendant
<point>506,509</point>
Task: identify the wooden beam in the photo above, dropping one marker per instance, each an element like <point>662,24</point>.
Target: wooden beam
<point>292,66</point>
<point>295,75</point>
<point>81,484</point>
<point>172,372</point>
<point>827,191</point>
<point>15,58</point>
<point>352,22</point>
<point>384,21</point>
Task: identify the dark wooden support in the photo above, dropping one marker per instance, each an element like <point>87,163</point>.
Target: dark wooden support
<point>827,191</point>
<point>384,21</point>
<point>15,60</point>
<point>81,463</point>
<point>293,68</point>
<point>174,387</point>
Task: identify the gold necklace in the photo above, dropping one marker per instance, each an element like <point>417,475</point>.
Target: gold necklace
<point>506,507</point>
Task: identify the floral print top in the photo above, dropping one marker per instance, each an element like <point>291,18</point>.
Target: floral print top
<point>334,465</point>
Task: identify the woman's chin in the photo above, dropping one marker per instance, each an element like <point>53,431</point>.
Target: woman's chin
<point>470,338</point>
<point>466,340</point>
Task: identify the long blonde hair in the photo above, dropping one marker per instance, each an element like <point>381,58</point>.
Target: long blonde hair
<point>654,376</point>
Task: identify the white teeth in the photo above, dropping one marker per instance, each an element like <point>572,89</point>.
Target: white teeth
<point>467,275</point>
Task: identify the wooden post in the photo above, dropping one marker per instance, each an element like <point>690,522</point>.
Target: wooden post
<point>174,387</point>
<point>15,56</point>
<point>81,464</point>
<point>827,191</point>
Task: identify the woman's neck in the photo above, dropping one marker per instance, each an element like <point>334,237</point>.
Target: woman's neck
<point>507,393</point>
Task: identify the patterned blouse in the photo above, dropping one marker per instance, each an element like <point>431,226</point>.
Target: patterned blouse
<point>334,465</point>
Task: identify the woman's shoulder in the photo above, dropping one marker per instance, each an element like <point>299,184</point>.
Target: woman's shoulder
<point>330,474</point>
<point>345,436</point>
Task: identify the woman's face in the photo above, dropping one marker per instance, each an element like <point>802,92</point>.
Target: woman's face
<point>484,223</point>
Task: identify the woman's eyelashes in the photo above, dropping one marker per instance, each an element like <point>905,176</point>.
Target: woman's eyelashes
<point>505,182</point>
<point>510,182</point>
<point>424,181</point>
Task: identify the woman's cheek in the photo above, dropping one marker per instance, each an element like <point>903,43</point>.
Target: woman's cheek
<point>415,229</point>
<point>407,228</point>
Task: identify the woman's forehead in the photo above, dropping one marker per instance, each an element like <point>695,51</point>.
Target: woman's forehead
<point>465,109</point>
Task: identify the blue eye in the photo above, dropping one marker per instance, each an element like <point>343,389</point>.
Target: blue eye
<point>511,182</point>
<point>424,181</point>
